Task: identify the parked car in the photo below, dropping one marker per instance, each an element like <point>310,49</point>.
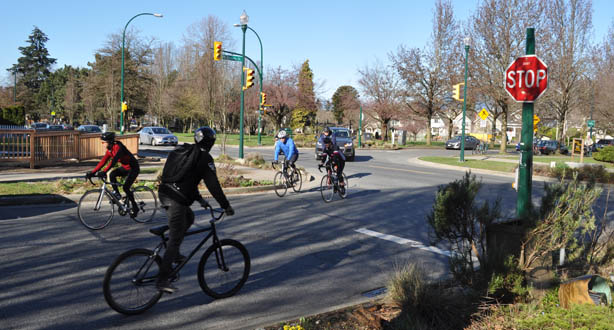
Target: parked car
<point>90,128</point>
<point>157,136</point>
<point>39,126</point>
<point>55,128</point>
<point>344,142</point>
<point>535,142</point>
<point>601,143</point>
<point>547,147</point>
<point>471,142</point>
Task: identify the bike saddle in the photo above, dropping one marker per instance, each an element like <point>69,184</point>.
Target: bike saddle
<point>159,230</point>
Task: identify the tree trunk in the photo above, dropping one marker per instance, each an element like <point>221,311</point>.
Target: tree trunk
<point>503,133</point>
<point>450,128</point>
<point>428,130</point>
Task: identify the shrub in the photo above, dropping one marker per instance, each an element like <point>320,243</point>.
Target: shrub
<point>254,159</point>
<point>508,284</point>
<point>457,219</point>
<point>605,155</point>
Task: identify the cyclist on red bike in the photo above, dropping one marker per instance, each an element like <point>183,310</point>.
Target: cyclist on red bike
<point>117,152</point>
<point>331,153</point>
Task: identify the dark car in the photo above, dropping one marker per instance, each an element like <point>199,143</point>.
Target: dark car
<point>601,143</point>
<point>90,129</point>
<point>547,147</point>
<point>344,142</point>
<point>55,128</point>
<point>39,126</point>
<point>455,142</point>
<point>535,142</point>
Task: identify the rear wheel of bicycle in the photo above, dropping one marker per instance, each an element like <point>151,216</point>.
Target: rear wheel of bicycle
<point>297,181</point>
<point>279,182</point>
<point>129,285</point>
<point>343,192</point>
<point>95,211</point>
<point>327,188</point>
<point>223,269</point>
<point>147,202</point>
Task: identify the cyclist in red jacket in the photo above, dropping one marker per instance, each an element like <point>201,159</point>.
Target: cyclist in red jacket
<point>116,151</point>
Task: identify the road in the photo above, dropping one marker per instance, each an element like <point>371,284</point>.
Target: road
<point>307,256</point>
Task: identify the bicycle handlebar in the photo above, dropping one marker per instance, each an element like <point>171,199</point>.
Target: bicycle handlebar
<point>205,205</point>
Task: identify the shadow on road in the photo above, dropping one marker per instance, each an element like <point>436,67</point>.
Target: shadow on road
<point>358,158</point>
<point>358,175</point>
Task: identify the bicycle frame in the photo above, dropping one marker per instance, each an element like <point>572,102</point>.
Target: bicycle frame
<point>104,189</point>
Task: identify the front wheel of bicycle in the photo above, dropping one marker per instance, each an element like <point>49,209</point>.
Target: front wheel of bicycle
<point>327,188</point>
<point>147,202</point>
<point>223,269</point>
<point>297,181</point>
<point>95,209</point>
<point>343,191</point>
<point>279,182</point>
<point>129,285</point>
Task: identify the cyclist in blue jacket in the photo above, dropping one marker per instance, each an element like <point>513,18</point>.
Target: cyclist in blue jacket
<point>286,145</point>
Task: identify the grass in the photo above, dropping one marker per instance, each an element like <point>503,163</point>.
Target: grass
<point>473,163</point>
<point>562,159</point>
<point>232,139</point>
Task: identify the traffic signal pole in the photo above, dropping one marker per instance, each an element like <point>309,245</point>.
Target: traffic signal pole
<point>525,168</point>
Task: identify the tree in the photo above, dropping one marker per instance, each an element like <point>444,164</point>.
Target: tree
<point>344,100</point>
<point>305,112</point>
<point>604,77</point>
<point>380,85</point>
<point>569,25</point>
<point>33,68</point>
<point>281,94</point>
<point>428,74</point>
<point>498,33</point>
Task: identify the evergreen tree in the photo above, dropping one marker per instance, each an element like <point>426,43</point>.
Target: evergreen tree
<point>33,68</point>
<point>305,112</point>
<point>344,98</point>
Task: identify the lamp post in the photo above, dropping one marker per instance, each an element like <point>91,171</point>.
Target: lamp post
<point>15,89</point>
<point>243,19</point>
<point>261,72</point>
<point>121,121</point>
<point>462,146</point>
<point>360,128</point>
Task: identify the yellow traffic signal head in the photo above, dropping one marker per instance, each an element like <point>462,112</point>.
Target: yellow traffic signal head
<point>124,106</point>
<point>456,92</point>
<point>249,78</point>
<point>217,50</point>
<point>262,98</point>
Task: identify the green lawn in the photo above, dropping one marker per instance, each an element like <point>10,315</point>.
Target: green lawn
<point>561,159</point>
<point>231,139</point>
<point>473,163</point>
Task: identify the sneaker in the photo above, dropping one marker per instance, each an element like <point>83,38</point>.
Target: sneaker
<point>134,211</point>
<point>179,259</point>
<point>165,286</point>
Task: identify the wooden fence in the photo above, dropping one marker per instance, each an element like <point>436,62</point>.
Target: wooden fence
<point>53,147</point>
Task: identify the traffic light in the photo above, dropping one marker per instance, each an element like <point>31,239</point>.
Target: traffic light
<point>249,78</point>
<point>457,92</point>
<point>124,106</point>
<point>217,50</point>
<point>262,98</point>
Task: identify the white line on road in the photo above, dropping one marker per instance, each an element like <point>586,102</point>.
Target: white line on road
<point>403,241</point>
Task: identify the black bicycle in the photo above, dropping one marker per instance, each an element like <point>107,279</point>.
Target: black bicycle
<point>330,183</point>
<point>97,207</point>
<point>129,284</point>
<point>287,176</point>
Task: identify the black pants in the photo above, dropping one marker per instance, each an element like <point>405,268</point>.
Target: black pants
<point>292,160</point>
<point>130,178</point>
<point>180,218</point>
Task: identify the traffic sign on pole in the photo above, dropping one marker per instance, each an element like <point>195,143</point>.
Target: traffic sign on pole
<point>526,78</point>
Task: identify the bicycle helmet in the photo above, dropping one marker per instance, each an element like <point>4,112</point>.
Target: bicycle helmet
<point>327,130</point>
<point>108,136</point>
<point>282,134</point>
<point>205,137</point>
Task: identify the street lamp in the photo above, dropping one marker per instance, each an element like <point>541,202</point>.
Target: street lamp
<point>467,42</point>
<point>121,122</point>
<point>261,74</point>
<point>243,19</point>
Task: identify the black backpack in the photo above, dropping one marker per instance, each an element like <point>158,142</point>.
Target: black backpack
<point>179,162</point>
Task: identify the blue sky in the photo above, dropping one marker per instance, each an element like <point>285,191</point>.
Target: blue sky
<point>337,37</point>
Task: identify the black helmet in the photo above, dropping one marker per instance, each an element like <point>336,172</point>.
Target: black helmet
<point>205,137</point>
<point>327,130</point>
<point>108,136</point>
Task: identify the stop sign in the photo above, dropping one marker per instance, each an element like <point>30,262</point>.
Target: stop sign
<point>526,78</point>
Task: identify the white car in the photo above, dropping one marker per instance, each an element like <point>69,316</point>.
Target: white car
<point>157,136</point>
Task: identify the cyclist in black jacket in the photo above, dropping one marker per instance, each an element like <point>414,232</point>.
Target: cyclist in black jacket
<point>177,197</point>
<point>331,153</point>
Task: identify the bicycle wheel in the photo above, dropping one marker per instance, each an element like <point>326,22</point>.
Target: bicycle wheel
<point>95,211</point>
<point>297,181</point>
<point>327,188</point>
<point>129,285</point>
<point>221,275</point>
<point>146,199</point>
<point>279,182</point>
<point>343,192</point>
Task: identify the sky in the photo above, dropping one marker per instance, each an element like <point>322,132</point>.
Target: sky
<point>337,37</point>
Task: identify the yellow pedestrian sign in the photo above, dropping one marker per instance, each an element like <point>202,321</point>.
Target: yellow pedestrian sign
<point>483,114</point>
<point>535,119</point>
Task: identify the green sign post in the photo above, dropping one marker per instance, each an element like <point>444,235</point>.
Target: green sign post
<point>590,123</point>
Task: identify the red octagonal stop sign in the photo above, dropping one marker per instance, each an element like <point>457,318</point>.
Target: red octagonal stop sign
<point>526,78</point>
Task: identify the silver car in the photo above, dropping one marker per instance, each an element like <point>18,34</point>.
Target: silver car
<point>157,136</point>
<point>455,142</point>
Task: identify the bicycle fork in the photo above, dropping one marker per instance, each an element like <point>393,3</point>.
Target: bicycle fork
<point>219,255</point>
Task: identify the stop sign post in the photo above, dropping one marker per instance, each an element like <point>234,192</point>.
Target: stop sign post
<point>525,80</point>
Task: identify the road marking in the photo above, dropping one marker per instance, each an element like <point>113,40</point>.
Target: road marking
<point>400,169</point>
<point>403,241</point>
